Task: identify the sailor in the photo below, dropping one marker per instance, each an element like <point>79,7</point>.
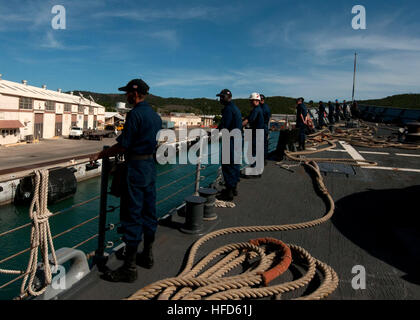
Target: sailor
<point>330,112</point>
<point>267,116</point>
<point>231,120</point>
<point>301,121</point>
<point>255,120</point>
<point>337,111</point>
<point>345,113</point>
<point>354,110</point>
<point>321,115</point>
<point>138,195</point>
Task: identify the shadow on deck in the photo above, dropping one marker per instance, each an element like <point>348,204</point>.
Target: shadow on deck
<point>386,224</point>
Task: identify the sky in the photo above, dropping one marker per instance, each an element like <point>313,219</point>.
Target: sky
<point>196,48</point>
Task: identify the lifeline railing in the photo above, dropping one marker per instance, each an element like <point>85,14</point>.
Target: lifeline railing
<point>98,255</point>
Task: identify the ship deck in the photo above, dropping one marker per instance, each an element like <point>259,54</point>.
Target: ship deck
<point>375,225</point>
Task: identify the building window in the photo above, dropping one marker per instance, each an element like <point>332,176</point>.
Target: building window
<point>81,109</point>
<point>90,110</point>
<point>10,132</point>
<point>67,107</point>
<point>26,103</point>
<point>50,105</point>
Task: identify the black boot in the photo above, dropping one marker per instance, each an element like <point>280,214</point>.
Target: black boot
<point>145,259</point>
<point>227,195</point>
<point>235,191</point>
<point>128,271</point>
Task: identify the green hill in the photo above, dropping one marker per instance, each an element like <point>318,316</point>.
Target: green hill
<point>278,105</point>
<point>404,101</point>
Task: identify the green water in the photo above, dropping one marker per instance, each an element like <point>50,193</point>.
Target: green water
<point>13,216</point>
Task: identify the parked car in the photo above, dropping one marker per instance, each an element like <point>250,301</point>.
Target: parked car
<point>76,133</point>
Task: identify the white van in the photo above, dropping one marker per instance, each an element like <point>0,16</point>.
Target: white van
<point>76,133</point>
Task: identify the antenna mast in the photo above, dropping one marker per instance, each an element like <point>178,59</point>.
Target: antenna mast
<point>354,75</point>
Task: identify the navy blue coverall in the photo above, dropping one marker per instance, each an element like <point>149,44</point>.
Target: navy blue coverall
<point>301,111</point>
<point>331,113</point>
<point>321,115</point>
<point>345,111</point>
<point>231,120</point>
<point>138,200</point>
<point>337,112</point>
<point>267,115</point>
<point>256,121</point>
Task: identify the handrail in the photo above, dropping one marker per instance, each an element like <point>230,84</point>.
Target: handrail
<point>29,170</point>
<point>55,237</point>
<point>175,181</point>
<point>53,215</point>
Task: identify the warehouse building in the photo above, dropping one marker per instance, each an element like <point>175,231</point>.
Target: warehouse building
<point>28,112</point>
<point>183,120</point>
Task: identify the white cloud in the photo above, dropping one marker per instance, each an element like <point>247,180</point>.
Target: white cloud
<point>51,42</point>
<point>168,37</point>
<point>326,43</point>
<point>156,14</point>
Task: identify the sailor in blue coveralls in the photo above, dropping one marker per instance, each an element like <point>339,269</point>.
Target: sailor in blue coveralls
<point>138,201</point>
<point>231,120</point>
<point>301,113</point>
<point>337,111</point>
<point>321,115</point>
<point>267,115</point>
<point>331,112</point>
<point>256,122</point>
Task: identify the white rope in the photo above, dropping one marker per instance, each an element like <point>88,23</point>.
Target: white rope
<point>40,238</point>
<point>224,204</point>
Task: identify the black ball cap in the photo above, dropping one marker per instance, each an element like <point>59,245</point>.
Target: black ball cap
<point>136,85</point>
<point>224,92</point>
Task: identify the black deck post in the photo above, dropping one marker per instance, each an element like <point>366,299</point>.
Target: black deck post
<point>100,259</point>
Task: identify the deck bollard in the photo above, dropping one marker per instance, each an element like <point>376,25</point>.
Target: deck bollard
<point>210,196</point>
<point>194,215</point>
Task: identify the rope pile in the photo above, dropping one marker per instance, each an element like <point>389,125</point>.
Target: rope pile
<point>363,137</point>
<point>224,204</point>
<point>41,239</point>
<point>193,283</point>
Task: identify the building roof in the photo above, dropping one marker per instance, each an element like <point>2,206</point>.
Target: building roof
<point>25,90</point>
<point>10,124</point>
<point>113,114</point>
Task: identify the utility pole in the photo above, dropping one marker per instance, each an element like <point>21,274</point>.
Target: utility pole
<point>354,75</point>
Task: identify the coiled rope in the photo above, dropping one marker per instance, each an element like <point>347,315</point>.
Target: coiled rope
<point>214,285</point>
<point>41,239</point>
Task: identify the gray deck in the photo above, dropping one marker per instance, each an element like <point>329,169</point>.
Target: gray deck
<point>375,225</point>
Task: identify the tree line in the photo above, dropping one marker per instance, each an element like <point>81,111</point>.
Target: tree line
<point>278,105</point>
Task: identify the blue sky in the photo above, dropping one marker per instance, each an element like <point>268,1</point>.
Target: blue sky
<point>196,48</point>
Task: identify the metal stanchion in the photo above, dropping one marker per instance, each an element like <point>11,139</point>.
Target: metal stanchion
<point>100,259</point>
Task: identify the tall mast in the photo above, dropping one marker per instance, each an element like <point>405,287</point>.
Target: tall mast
<point>354,75</point>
